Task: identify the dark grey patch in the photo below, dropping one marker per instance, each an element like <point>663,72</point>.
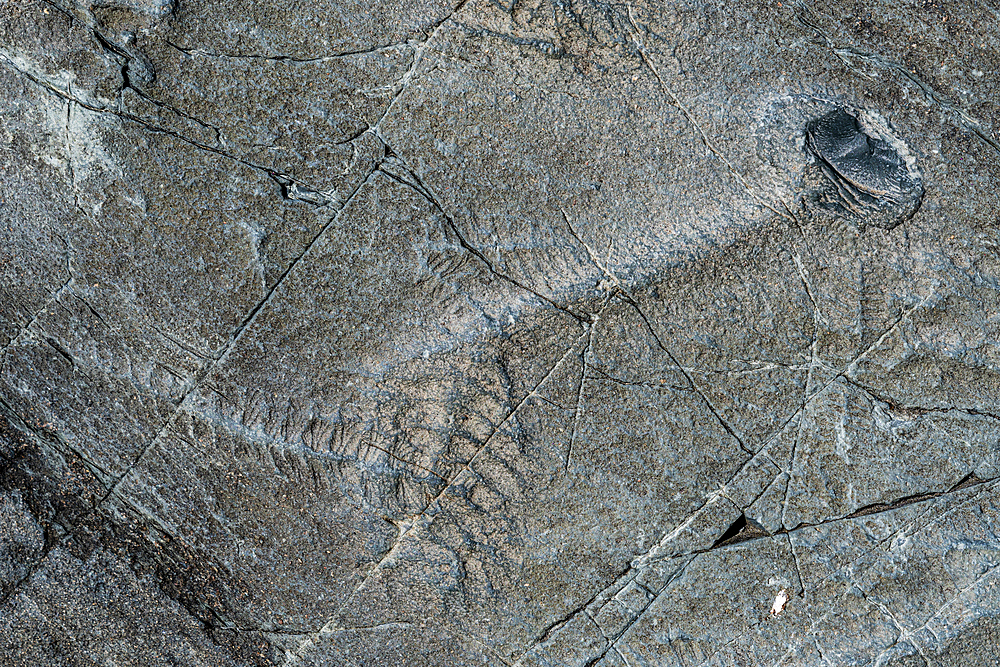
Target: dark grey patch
<point>741,530</point>
<point>874,177</point>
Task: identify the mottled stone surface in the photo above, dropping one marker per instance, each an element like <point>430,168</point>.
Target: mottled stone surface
<point>475,332</point>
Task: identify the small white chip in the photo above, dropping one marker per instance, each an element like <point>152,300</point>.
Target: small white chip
<point>780,600</point>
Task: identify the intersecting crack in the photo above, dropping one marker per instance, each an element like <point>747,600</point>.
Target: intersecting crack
<point>685,539</point>
<point>392,167</point>
<point>330,626</point>
<point>206,369</point>
<point>16,338</point>
<point>787,533</point>
<point>132,118</point>
<point>652,554</point>
<point>418,57</point>
<point>640,46</point>
<point>850,55</point>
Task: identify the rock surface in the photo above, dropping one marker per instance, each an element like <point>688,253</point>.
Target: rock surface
<point>460,332</point>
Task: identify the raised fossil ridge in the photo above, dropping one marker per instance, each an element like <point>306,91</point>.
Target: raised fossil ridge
<point>435,333</point>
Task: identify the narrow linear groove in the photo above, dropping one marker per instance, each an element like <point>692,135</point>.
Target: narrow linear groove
<point>207,368</point>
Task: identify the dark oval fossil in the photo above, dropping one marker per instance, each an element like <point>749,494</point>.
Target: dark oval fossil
<point>871,169</point>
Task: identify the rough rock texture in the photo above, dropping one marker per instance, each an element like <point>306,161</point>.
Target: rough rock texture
<point>461,332</point>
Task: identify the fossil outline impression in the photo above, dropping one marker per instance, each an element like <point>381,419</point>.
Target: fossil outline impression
<point>875,176</point>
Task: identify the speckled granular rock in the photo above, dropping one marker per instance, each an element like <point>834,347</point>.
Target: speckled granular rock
<point>466,332</point>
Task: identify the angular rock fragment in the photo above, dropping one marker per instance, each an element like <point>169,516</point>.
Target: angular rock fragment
<point>875,177</point>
